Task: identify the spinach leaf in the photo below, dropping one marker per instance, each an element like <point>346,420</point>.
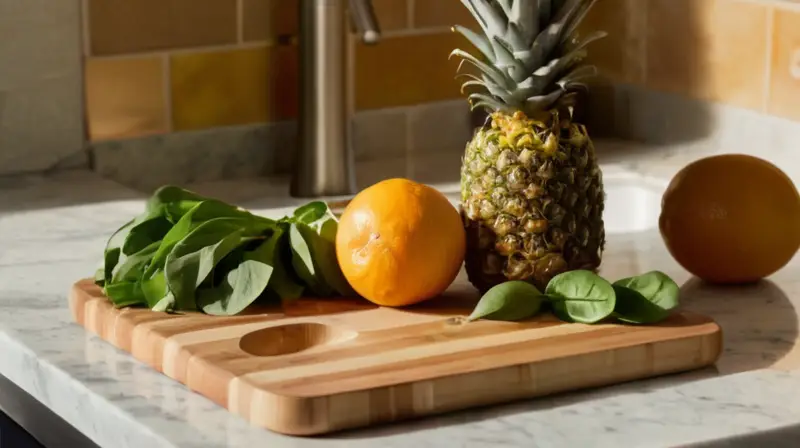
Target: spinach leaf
<point>167,304</point>
<point>321,240</point>
<point>200,213</point>
<point>580,296</point>
<point>311,212</point>
<point>133,266</point>
<point>303,261</point>
<point>172,201</point>
<point>510,301</point>
<point>194,257</point>
<point>123,294</point>
<point>145,233</point>
<point>241,286</point>
<point>114,249</point>
<point>645,299</point>
<point>281,282</point>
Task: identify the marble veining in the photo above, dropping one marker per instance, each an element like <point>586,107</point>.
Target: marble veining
<point>53,229</point>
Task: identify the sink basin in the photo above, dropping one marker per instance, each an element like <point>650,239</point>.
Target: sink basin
<point>632,204</point>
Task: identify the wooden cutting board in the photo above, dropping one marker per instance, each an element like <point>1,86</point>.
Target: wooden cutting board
<point>319,366</point>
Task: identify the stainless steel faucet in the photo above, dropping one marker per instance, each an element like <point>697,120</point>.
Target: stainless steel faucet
<point>324,161</point>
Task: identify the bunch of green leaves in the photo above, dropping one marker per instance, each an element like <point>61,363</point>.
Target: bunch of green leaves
<point>186,252</point>
<point>584,297</point>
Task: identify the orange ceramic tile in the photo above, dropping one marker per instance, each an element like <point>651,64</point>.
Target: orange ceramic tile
<point>234,87</point>
<point>268,19</point>
<point>784,95</point>
<point>129,26</point>
<point>711,49</point>
<point>438,13</point>
<point>125,97</point>
<point>407,70</point>
<point>619,56</point>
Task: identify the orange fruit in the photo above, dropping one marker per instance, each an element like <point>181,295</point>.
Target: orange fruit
<point>400,242</point>
<point>731,218</point>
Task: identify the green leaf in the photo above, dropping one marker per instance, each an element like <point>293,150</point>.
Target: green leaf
<point>200,213</point>
<point>113,249</point>
<point>145,233</point>
<point>509,301</point>
<point>303,261</point>
<point>194,257</point>
<point>281,282</point>
<point>581,296</point>
<point>132,267</point>
<point>124,294</point>
<point>311,212</point>
<point>155,288</point>
<point>182,199</point>
<point>166,304</point>
<point>646,298</point>
<point>323,252</point>
<point>241,286</point>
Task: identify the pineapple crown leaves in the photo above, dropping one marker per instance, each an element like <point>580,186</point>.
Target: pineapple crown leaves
<point>530,54</point>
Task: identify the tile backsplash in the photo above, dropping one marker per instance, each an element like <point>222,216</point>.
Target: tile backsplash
<point>160,66</point>
<point>738,53</point>
<point>218,79</point>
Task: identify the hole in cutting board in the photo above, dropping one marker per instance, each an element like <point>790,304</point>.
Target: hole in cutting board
<point>292,338</point>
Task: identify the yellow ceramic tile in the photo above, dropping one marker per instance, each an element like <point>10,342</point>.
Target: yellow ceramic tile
<point>407,70</point>
<point>268,19</point>
<point>124,97</point>
<point>784,95</point>
<point>234,87</point>
<point>437,13</point>
<point>620,56</point>
<point>710,49</point>
<point>128,26</point>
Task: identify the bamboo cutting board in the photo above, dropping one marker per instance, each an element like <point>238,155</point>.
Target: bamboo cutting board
<point>319,366</point>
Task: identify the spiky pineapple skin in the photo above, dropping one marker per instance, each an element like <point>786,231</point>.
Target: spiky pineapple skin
<point>532,200</point>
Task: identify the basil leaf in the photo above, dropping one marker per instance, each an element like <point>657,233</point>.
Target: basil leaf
<point>509,301</point>
<point>241,286</point>
<point>311,212</point>
<point>581,296</point>
<point>646,298</point>
<point>194,257</point>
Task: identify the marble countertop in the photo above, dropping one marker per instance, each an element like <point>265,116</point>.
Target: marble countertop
<point>52,232</point>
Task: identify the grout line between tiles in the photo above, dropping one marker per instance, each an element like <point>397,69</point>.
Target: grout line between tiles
<point>410,10</point>
<point>240,21</point>
<point>86,42</point>
<point>767,94</point>
<point>167,86</point>
<point>193,50</point>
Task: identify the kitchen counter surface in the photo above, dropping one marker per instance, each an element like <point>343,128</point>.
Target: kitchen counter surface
<point>52,232</point>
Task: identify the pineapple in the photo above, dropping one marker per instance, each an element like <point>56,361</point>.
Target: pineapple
<point>531,188</point>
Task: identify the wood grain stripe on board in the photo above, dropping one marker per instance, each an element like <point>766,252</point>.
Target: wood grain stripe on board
<point>419,348</point>
<point>344,379</point>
